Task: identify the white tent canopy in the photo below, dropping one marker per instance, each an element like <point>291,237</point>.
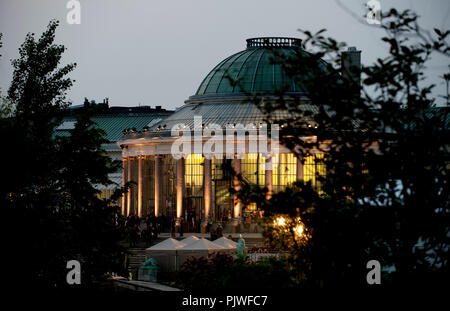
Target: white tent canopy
<point>224,242</point>
<point>165,254</point>
<point>170,253</point>
<point>190,240</point>
<point>202,244</point>
<point>168,244</point>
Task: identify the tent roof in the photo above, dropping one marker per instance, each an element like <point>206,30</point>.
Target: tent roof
<point>190,240</point>
<point>167,244</point>
<point>227,243</point>
<point>203,244</point>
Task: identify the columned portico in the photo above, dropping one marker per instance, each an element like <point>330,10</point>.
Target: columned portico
<point>157,185</point>
<point>140,181</point>
<point>219,118</point>
<point>124,180</point>
<point>180,190</point>
<point>207,193</point>
<point>130,188</point>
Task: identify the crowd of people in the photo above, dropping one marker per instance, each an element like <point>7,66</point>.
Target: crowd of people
<point>141,229</point>
<point>147,229</point>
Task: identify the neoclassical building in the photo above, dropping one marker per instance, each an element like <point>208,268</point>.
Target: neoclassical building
<point>111,120</point>
<point>194,185</point>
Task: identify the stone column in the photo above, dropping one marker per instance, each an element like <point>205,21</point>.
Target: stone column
<point>237,203</point>
<point>140,194</point>
<point>207,187</point>
<point>299,169</point>
<point>157,184</point>
<point>130,188</point>
<point>268,177</point>
<point>180,190</point>
<point>124,180</point>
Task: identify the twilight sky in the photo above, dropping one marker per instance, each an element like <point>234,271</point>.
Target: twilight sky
<point>151,52</point>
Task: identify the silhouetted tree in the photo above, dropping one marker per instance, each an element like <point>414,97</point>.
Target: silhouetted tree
<point>48,197</point>
<point>386,145</point>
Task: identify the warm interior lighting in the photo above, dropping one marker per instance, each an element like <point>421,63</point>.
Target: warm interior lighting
<point>284,170</point>
<point>298,230</point>
<point>280,221</point>
<point>253,168</point>
<point>194,174</point>
<point>314,168</point>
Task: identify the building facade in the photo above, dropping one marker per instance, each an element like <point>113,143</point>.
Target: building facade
<point>113,121</point>
<point>193,185</point>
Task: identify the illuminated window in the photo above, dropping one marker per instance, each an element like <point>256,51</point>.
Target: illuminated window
<point>252,168</point>
<point>221,183</point>
<point>148,186</point>
<point>217,171</point>
<point>313,168</point>
<point>168,184</point>
<point>284,170</point>
<point>194,175</point>
<point>251,208</point>
<point>105,194</point>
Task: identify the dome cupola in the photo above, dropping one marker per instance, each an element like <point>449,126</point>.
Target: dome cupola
<point>254,69</point>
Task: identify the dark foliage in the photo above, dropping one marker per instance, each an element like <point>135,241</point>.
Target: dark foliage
<point>51,209</point>
<point>222,271</point>
<point>386,145</point>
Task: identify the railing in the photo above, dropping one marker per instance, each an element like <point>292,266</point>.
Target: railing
<point>273,42</point>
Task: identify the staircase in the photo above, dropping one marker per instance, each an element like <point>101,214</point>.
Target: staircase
<point>250,242</point>
<point>136,257</point>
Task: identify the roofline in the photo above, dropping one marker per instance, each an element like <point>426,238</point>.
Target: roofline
<point>241,96</point>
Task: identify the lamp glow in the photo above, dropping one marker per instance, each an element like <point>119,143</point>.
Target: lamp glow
<point>280,221</point>
<point>298,230</point>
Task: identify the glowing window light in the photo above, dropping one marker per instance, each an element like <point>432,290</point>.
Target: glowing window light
<point>251,208</point>
<point>194,174</point>
<point>314,168</point>
<point>284,170</point>
<point>253,168</point>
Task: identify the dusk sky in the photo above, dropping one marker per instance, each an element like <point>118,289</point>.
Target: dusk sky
<point>145,52</point>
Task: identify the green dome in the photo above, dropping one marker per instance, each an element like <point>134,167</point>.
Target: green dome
<point>253,68</point>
